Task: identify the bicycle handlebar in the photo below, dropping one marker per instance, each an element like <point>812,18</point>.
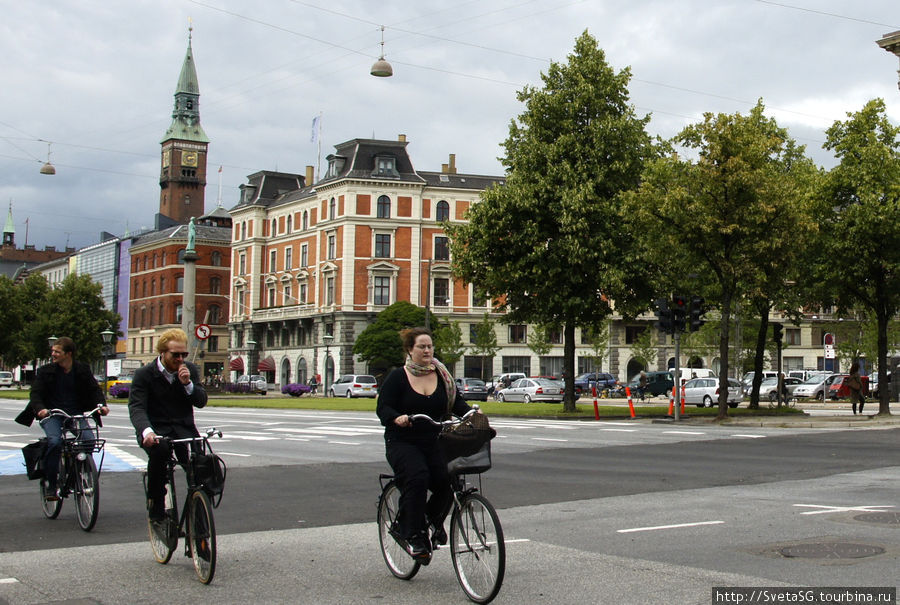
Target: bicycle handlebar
<point>65,414</point>
<point>210,432</point>
<point>452,421</point>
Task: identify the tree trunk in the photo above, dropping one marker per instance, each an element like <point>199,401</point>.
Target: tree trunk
<point>569,366</point>
<point>758,359</point>
<point>884,390</point>
<point>724,331</point>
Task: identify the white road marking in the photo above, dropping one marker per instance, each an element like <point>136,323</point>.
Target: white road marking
<point>126,457</point>
<point>619,430</point>
<point>8,581</point>
<point>233,454</point>
<point>748,436</point>
<point>548,439</point>
<point>875,508</point>
<point>344,443</point>
<point>683,433</point>
<point>676,526</point>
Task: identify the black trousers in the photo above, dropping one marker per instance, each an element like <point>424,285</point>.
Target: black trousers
<point>418,468</point>
<point>158,458</point>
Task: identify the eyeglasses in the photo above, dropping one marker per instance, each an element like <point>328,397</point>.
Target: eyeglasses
<point>180,354</point>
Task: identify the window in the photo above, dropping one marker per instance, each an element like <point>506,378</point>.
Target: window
<point>179,283</point>
<point>331,246</point>
<point>288,258</point>
<point>479,299</point>
<point>215,285</point>
<point>518,333</point>
<point>288,295</point>
<point>792,337</point>
<point>442,211</point>
<point>244,230</point>
<point>213,314</point>
<point>385,166</point>
<point>274,227</point>
<point>383,209</point>
<point>473,333</point>
<point>556,338</point>
<point>305,220</point>
<point>153,288</point>
<point>304,255</point>
<point>273,258</point>
<point>271,297</point>
<point>382,292</point>
<point>633,333</point>
<point>242,264</point>
<point>441,248</point>
<point>441,292</point>
<point>212,344</point>
<point>178,314</point>
<point>329,290</point>
<point>382,245</point>
<point>179,258</point>
<point>302,297</point>
<point>332,209</point>
<point>290,222</point>
<point>216,258</point>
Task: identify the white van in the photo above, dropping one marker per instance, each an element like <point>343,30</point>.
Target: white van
<point>688,373</point>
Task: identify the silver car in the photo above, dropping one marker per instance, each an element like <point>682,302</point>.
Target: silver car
<point>704,392</point>
<point>254,384</point>
<point>527,390</point>
<point>354,385</point>
<point>768,388</point>
<point>813,388</point>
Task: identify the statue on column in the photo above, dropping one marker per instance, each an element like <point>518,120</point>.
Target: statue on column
<point>192,236</point>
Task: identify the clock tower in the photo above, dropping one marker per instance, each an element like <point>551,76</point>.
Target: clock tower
<point>182,177</point>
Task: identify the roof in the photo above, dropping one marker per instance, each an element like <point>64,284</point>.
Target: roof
<point>359,161</point>
<point>461,181</point>
<point>180,233</point>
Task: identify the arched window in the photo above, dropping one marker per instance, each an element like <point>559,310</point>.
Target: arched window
<point>332,209</point>
<point>179,283</point>
<point>216,258</point>
<point>290,222</point>
<point>443,211</point>
<point>215,285</point>
<point>214,314</point>
<point>244,230</point>
<point>274,227</point>
<point>305,220</point>
<point>383,208</point>
<point>152,289</point>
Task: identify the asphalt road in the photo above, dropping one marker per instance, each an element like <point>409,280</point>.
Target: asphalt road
<point>625,512</point>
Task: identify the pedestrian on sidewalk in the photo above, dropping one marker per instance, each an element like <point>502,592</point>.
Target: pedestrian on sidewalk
<point>854,384</point>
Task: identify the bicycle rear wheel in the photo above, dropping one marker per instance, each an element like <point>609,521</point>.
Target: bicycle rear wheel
<point>87,492</point>
<point>201,536</point>
<point>392,549</point>
<point>477,548</point>
<point>164,534</point>
<point>51,508</point>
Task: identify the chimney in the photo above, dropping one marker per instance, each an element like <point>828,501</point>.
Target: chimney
<point>445,169</point>
<point>401,138</point>
<point>452,169</point>
<point>310,175</point>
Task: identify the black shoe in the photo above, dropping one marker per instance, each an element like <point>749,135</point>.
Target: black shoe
<point>418,549</point>
<point>157,513</point>
<point>438,536</point>
<point>51,493</point>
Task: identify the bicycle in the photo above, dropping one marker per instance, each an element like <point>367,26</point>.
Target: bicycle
<point>477,548</point>
<point>196,523</point>
<point>78,472</point>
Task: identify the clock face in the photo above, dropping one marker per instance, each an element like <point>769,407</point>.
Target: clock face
<point>189,158</point>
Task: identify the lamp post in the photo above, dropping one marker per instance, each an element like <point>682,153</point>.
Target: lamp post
<point>327,339</point>
<point>251,346</point>
<point>107,335</point>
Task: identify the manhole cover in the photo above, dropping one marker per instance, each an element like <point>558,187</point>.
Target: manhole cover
<point>836,550</point>
<point>888,518</point>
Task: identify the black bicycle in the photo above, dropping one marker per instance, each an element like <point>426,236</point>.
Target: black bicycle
<point>79,474</point>
<point>206,479</point>
<point>477,548</point>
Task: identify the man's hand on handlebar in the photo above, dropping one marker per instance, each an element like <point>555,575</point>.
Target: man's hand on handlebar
<point>150,440</point>
<point>403,420</point>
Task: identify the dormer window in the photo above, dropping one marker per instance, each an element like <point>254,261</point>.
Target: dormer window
<point>385,166</point>
<point>335,165</point>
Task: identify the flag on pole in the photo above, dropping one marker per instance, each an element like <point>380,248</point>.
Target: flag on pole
<point>316,124</point>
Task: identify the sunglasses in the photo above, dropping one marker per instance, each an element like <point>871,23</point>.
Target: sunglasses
<point>182,355</point>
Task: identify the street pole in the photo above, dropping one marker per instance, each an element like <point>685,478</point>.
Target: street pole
<point>327,338</point>
<point>677,407</point>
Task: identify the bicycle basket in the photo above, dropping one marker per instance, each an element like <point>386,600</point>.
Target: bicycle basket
<point>34,458</point>
<point>478,462</point>
<point>466,438</point>
<point>209,472</point>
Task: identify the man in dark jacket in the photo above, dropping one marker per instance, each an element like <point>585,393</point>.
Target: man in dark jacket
<point>160,403</point>
<point>64,384</point>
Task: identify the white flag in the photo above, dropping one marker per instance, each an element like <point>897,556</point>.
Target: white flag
<point>316,123</point>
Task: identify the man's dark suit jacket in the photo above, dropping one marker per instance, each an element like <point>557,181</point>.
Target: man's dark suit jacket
<point>87,391</point>
<point>164,407</point>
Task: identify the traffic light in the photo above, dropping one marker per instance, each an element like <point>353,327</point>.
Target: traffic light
<point>777,333</point>
<point>696,312</point>
<point>665,316</point>
<point>679,312</point>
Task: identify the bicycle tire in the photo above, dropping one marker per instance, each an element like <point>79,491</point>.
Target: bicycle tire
<point>164,534</point>
<point>201,535</point>
<point>51,508</point>
<point>477,548</point>
<point>87,492</point>
<point>398,561</point>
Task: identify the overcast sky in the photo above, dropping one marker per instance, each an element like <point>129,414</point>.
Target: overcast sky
<point>97,79</point>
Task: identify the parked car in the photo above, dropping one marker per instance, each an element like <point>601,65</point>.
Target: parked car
<point>6,379</point>
<point>813,387</point>
<point>658,383</point>
<point>354,385</point>
<point>768,388</point>
<point>472,388</point>
<point>254,383</point>
<point>704,392</point>
<point>747,379</point>
<point>584,383</point>
<point>805,375</point>
<point>527,390</point>
<point>838,388</point>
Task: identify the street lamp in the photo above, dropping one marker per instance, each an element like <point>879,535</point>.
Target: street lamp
<point>107,335</point>
<point>327,338</point>
<point>251,346</point>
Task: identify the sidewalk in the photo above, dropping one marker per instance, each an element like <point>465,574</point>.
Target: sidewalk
<point>864,421</point>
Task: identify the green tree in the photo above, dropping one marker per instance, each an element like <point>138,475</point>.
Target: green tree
<point>30,340</point>
<point>642,349</point>
<point>75,308</point>
<point>379,344</point>
<point>548,245</point>
<point>712,214</point>
<point>485,345</point>
<point>860,220</point>
<point>539,340</point>
<point>598,338</point>
<point>448,344</point>
<point>10,321</point>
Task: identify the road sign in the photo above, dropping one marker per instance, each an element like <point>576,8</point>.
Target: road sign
<point>202,331</point>
<point>829,351</point>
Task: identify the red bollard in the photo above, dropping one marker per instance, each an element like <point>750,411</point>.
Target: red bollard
<point>682,399</point>
<point>596,409</point>
<point>672,402</point>
<point>630,404</point>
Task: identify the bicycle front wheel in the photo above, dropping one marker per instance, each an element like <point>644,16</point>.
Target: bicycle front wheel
<point>392,548</point>
<point>164,534</point>
<point>87,492</point>
<point>51,508</point>
<point>201,536</point>
<point>477,548</point>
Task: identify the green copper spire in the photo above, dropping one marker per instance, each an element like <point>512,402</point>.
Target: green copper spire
<point>9,227</point>
<point>186,115</point>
